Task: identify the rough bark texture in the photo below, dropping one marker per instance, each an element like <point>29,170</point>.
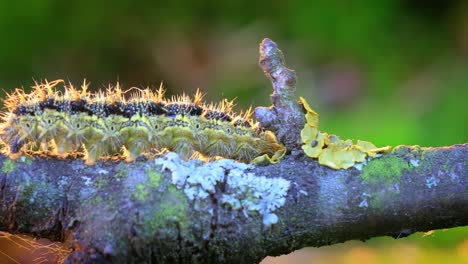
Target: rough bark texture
<point>173,211</point>
<point>135,213</point>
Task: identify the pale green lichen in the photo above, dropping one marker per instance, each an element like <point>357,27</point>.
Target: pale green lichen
<point>376,202</point>
<point>243,190</point>
<point>8,166</point>
<point>171,209</point>
<point>122,173</point>
<point>101,183</point>
<point>154,178</point>
<point>144,186</point>
<point>140,192</point>
<point>97,200</point>
<point>377,199</point>
<point>387,169</point>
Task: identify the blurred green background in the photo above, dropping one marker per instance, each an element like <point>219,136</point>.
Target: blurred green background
<point>388,71</point>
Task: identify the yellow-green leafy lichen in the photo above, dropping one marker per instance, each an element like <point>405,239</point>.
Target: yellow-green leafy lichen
<point>329,149</point>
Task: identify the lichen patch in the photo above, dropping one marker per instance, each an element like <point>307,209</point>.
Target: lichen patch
<point>242,190</point>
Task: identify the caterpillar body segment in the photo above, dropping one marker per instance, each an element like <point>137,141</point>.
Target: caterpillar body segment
<point>73,121</point>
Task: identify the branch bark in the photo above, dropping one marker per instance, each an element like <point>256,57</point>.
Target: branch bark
<point>120,212</point>
<point>170,210</point>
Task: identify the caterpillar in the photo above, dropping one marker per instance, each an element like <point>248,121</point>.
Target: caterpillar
<point>113,123</point>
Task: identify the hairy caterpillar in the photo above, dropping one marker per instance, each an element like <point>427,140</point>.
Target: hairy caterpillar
<point>104,124</point>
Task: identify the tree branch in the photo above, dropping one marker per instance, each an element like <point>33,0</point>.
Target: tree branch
<point>170,210</point>
<point>148,210</point>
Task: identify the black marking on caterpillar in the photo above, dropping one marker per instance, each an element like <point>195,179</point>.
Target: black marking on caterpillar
<point>72,121</point>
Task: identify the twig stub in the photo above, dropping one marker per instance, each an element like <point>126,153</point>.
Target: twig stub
<point>285,117</point>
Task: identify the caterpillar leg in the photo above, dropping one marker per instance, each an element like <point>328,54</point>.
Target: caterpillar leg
<point>136,139</point>
<point>134,149</point>
<point>94,147</point>
<point>64,146</point>
<point>245,151</point>
<point>219,147</point>
<point>90,157</point>
<point>219,144</point>
<point>183,141</point>
<point>93,153</point>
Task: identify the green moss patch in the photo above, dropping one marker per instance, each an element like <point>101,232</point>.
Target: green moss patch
<point>140,192</point>
<point>8,166</point>
<point>171,210</point>
<point>173,207</point>
<point>387,169</point>
<point>121,174</point>
<point>154,178</point>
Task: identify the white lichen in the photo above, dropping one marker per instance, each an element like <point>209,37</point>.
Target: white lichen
<point>432,182</point>
<point>414,162</point>
<point>270,219</point>
<point>364,202</point>
<point>358,166</point>
<point>102,171</point>
<point>87,180</point>
<point>242,190</point>
<point>454,176</point>
<point>301,192</point>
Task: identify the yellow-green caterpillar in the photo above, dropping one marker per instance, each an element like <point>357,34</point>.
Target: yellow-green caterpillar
<point>73,121</point>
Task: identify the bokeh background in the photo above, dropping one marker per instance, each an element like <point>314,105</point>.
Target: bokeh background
<point>388,71</point>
